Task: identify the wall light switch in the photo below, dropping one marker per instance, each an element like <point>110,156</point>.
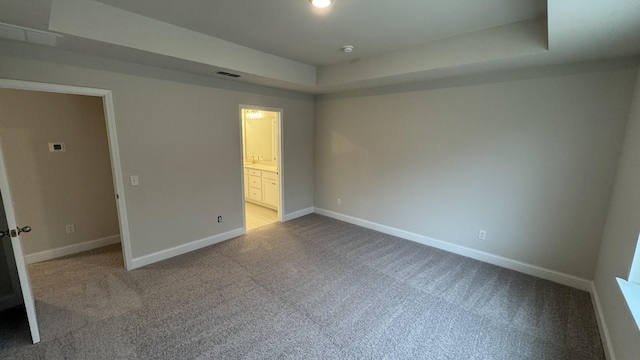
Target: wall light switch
<point>134,180</point>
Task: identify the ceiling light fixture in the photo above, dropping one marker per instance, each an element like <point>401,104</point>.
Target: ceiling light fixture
<point>254,114</point>
<point>321,3</point>
<point>347,48</point>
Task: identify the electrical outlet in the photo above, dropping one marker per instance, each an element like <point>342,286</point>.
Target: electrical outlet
<point>220,218</point>
<point>338,201</point>
<point>71,228</point>
<point>482,235</point>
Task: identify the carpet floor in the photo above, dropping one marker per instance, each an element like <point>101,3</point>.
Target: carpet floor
<point>311,288</point>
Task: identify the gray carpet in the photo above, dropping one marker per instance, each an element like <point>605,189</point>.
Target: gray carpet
<point>312,288</point>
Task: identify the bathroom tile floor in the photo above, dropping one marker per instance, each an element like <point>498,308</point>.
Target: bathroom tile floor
<point>258,216</point>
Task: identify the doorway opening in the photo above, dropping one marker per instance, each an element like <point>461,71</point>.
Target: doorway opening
<point>57,159</point>
<point>261,130</point>
<point>56,149</point>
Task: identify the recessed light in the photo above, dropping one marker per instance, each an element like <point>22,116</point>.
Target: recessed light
<point>347,48</point>
<point>321,3</point>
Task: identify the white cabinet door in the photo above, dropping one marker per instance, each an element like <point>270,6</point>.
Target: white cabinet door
<point>270,192</point>
<point>255,194</point>
<point>255,182</point>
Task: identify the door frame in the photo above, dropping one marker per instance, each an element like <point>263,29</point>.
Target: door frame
<point>112,139</point>
<point>280,111</point>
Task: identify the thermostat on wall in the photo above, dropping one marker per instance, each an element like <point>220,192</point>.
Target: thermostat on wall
<point>57,147</point>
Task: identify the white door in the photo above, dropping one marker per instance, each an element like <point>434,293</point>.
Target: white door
<point>21,265</point>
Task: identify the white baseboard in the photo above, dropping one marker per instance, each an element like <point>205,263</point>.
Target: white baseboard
<point>9,301</point>
<point>602,324</point>
<point>71,249</point>
<point>529,269</point>
<point>183,249</point>
<point>297,214</point>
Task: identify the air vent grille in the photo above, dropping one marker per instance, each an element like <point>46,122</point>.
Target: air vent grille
<point>224,73</point>
<point>19,33</point>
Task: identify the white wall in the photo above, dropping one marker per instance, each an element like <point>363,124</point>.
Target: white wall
<point>51,189</point>
<point>531,161</point>
<point>181,134</point>
<point>619,240</point>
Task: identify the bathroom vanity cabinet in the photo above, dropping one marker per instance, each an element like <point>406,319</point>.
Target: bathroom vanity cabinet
<point>261,187</point>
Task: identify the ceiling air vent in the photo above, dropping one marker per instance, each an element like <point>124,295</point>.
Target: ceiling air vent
<point>20,33</point>
<point>224,73</point>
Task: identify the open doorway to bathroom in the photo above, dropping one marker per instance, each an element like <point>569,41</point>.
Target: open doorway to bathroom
<point>262,165</point>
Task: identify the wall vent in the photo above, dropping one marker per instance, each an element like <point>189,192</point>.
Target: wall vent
<point>224,73</point>
<point>20,33</point>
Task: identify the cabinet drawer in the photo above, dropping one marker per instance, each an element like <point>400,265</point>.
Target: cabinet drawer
<point>255,172</point>
<point>255,182</point>
<point>255,194</point>
<point>269,175</point>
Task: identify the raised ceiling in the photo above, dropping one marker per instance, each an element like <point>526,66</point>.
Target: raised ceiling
<point>295,30</point>
<point>288,44</point>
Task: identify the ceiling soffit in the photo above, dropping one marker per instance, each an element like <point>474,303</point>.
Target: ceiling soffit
<point>110,25</point>
<point>569,31</point>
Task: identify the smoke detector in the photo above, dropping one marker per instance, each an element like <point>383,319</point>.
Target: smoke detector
<point>347,48</point>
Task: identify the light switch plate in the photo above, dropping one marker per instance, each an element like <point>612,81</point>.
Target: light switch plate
<point>134,180</point>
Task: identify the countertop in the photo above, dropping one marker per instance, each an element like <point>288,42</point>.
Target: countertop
<point>261,167</point>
